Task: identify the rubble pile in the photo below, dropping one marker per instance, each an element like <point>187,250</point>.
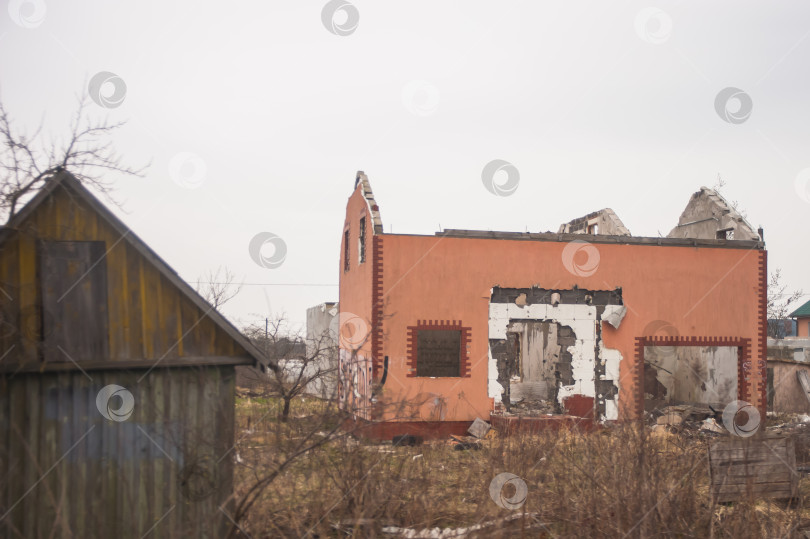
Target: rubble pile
<point>690,420</point>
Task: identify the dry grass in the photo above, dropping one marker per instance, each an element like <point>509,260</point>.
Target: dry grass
<point>619,482</point>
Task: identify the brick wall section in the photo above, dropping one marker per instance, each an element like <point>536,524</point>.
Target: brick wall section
<point>745,390</point>
<point>377,308</point>
<point>464,369</point>
<point>762,326</point>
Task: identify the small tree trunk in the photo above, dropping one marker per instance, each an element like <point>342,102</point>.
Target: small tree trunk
<point>285,412</point>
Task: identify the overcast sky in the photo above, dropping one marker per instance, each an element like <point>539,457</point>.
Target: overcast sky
<point>255,117</point>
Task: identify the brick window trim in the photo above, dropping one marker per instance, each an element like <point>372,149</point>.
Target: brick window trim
<point>464,354</point>
<point>745,365</point>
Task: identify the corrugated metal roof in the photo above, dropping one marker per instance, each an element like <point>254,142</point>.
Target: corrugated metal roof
<point>804,310</point>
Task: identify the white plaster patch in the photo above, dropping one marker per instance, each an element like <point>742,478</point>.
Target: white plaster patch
<point>582,319</point>
<point>611,359</point>
<point>611,410</point>
<point>494,388</point>
<point>498,320</point>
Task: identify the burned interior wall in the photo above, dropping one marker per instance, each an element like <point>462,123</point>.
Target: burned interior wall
<point>603,222</point>
<point>690,375</point>
<point>709,216</point>
<point>546,349</point>
<point>544,357</point>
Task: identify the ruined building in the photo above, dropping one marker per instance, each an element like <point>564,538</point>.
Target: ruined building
<point>590,322</point>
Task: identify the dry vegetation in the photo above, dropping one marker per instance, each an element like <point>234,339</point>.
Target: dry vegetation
<point>617,482</point>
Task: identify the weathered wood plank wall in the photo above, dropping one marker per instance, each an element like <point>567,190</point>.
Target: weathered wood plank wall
<point>70,472</point>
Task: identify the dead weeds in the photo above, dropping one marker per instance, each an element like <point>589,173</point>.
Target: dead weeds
<point>616,482</point>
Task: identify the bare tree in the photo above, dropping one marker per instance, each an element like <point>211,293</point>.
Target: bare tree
<point>27,161</point>
<point>779,304</point>
<point>218,287</point>
<point>301,368</point>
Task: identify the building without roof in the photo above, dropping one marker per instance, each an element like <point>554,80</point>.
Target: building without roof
<point>116,381</point>
<point>590,322</point>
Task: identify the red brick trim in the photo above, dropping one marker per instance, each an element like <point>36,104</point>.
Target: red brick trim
<point>376,307</point>
<point>464,369</point>
<point>762,326</point>
<point>744,391</point>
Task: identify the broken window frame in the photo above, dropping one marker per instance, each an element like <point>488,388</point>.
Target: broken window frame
<point>346,250</point>
<point>361,240</point>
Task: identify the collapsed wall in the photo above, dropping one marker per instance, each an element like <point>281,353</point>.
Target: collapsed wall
<point>603,222</point>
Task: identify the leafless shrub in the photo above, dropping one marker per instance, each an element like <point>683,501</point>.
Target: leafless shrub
<point>303,367</point>
<point>27,160</point>
<point>779,303</point>
<point>218,286</point>
<point>618,482</point>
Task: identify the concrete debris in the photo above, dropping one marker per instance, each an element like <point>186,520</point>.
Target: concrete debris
<point>791,424</point>
<point>479,428</point>
<point>615,318</point>
<point>462,443</point>
<point>711,425</point>
<point>670,418</point>
<point>446,533</point>
<point>663,430</point>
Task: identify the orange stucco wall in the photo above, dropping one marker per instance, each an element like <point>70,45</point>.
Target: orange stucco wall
<point>803,327</point>
<point>702,292</point>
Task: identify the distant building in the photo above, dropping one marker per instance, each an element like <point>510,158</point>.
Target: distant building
<point>802,316</point>
<point>781,328</point>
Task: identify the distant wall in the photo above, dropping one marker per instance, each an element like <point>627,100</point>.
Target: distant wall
<point>793,349</point>
<point>785,393</point>
<point>322,337</point>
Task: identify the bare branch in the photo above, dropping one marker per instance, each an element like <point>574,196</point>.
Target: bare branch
<point>27,162</point>
<point>218,287</point>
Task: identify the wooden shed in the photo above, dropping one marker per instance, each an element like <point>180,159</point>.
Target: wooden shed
<point>116,381</point>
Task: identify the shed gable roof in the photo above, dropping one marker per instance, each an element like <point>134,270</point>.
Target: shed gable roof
<point>69,182</point>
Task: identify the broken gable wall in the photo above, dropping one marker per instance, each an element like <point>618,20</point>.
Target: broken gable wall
<point>699,291</point>
<point>357,320</point>
<point>606,221</point>
<point>709,216</point>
